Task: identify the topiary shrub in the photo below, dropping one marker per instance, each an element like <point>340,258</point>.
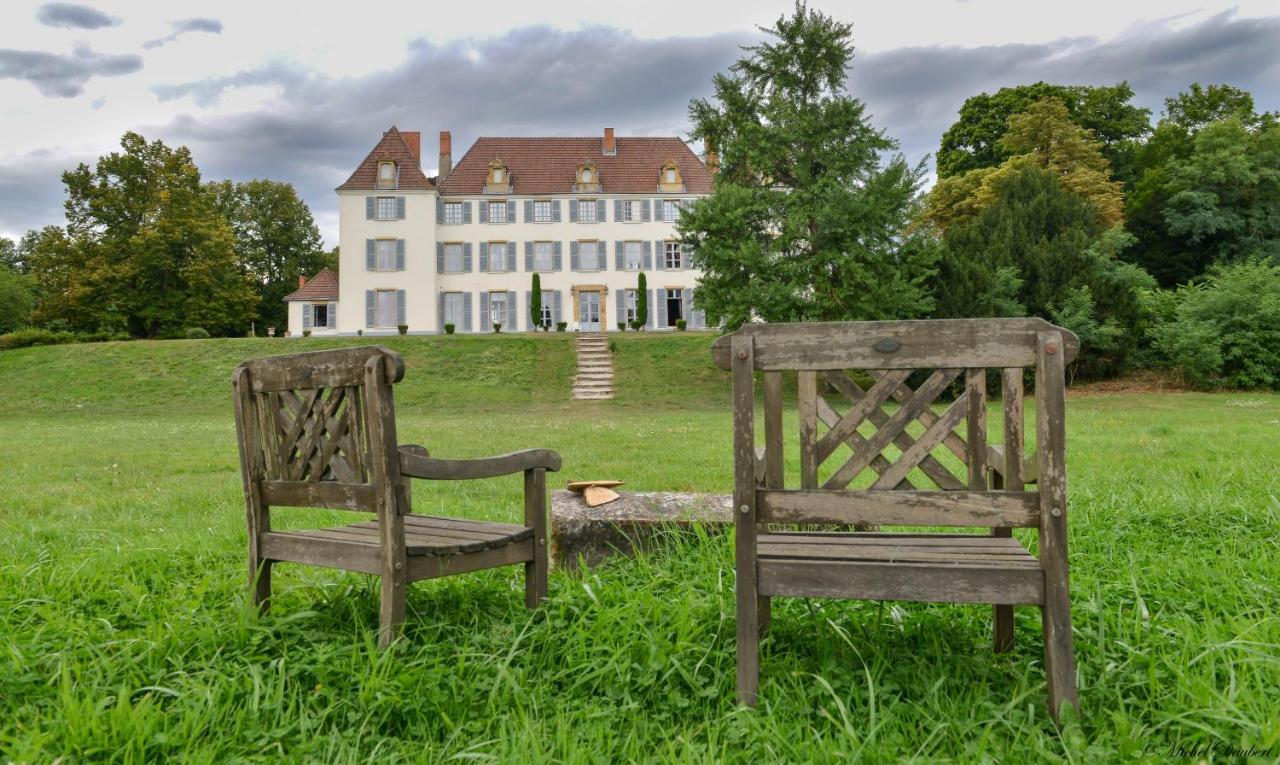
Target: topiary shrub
<point>306,333</point>
<point>622,326</point>
<point>682,325</point>
<point>359,333</point>
<point>497,327</point>
<point>561,326</point>
<point>404,328</point>
<point>637,325</point>
<point>197,333</point>
<point>449,329</point>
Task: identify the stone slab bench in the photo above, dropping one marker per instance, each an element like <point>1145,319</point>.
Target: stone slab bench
<point>634,521</point>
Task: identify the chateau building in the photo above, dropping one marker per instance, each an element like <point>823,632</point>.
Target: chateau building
<point>588,215</point>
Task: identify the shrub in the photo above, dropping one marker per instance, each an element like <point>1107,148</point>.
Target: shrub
<point>622,326</point>
<point>197,333</point>
<point>449,329</point>
<point>613,346</point>
<point>562,326</point>
<point>404,328</point>
<point>497,327</point>
<point>306,333</point>
<point>26,338</point>
<point>682,325</point>
<point>1225,330</point>
<point>637,325</point>
<point>359,333</point>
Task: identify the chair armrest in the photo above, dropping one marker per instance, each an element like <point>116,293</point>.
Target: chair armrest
<point>415,464</point>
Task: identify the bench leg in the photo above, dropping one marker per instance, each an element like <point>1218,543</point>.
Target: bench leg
<point>748,645</point>
<point>1059,655</point>
<point>391,613</point>
<point>764,609</point>
<point>260,583</point>
<point>1002,630</point>
<point>535,516</point>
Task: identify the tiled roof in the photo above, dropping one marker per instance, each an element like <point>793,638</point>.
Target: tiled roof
<point>322,286</point>
<point>549,165</point>
<point>397,148</point>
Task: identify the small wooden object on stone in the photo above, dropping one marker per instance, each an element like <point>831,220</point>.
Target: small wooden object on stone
<point>864,369</point>
<point>319,430</point>
<point>596,493</point>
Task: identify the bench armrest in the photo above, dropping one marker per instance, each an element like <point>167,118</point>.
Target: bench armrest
<point>414,463</point>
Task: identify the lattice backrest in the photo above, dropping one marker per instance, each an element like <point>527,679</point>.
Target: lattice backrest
<point>313,427</point>
<point>873,408</point>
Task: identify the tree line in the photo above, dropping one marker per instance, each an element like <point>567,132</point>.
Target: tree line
<point>1157,243</point>
<point>150,250</point>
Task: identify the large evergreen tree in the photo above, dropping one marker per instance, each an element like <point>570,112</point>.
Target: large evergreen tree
<point>808,217</point>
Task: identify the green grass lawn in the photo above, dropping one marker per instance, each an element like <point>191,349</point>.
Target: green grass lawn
<point>125,637</point>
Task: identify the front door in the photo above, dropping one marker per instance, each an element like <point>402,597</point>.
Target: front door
<point>589,311</point>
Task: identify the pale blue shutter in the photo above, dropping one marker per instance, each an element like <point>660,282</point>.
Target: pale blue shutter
<point>617,210</point>
<point>511,311</point>
<point>440,311</point>
<point>439,257</point>
<point>484,211</point>
<point>644,211</point>
<point>399,254</point>
<point>528,314</point>
<point>306,316</point>
<point>511,211</point>
<point>528,256</point>
<point>686,307</point>
<point>439,211</point>
<point>620,255</point>
<point>466,212</point>
<point>600,211</point>
<point>555,211</point>
<point>573,255</point>
<point>622,306</point>
<point>400,208</point>
<point>510,249</point>
<point>556,310</point>
<point>369,203</point>
<point>400,308</point>
<point>484,257</point>
<point>466,312</point>
<point>653,309</point>
<point>466,257</point>
<point>661,261</point>
<point>484,311</point>
<point>573,211</point>
<point>662,307</point>
<point>370,304</point>
<point>556,263</point>
<point>331,313</point>
<point>528,211</point>
<point>370,255</point>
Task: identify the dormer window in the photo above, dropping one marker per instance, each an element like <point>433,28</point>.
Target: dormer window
<point>498,181</point>
<point>387,175</point>
<point>586,176</point>
<point>669,178</point>
<point>587,179</point>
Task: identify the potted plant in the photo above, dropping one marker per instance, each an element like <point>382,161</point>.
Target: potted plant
<point>306,333</point>
<point>404,328</point>
<point>359,333</point>
<point>561,326</point>
<point>636,325</point>
<point>497,327</point>
<point>622,326</point>
<point>449,328</point>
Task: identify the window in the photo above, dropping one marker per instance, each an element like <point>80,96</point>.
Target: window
<point>497,175</point>
<point>631,211</point>
<point>386,251</point>
<point>386,305</point>
<point>633,255</point>
<point>542,211</point>
<point>587,211</point>
<point>671,175</point>
<point>671,256</point>
<point>588,256</point>
<point>543,256</point>
<point>387,175</point>
<point>675,306</point>
<point>452,212</point>
<point>386,208</point>
<point>320,315</point>
<point>586,175</point>
<point>498,257</point>
<point>498,308</point>
<point>453,262</point>
<point>670,210</point>
<point>631,304</point>
<point>548,310</point>
<point>453,309</point>
<point>497,211</point>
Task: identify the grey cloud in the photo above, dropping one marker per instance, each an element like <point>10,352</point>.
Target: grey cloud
<point>73,16</point>
<point>64,76</point>
<point>182,27</point>
<point>31,190</point>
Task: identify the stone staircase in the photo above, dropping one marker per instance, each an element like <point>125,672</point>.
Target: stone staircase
<point>594,380</point>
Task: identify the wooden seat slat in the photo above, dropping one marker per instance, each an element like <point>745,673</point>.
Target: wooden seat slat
<point>968,541</point>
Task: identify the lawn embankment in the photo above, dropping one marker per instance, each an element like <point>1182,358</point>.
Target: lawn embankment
<point>124,635</point>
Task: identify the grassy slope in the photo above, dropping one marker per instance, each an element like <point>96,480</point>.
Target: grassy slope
<point>124,637</point>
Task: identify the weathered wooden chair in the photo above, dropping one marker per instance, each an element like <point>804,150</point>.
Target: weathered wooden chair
<point>319,430</point>
<point>930,567</point>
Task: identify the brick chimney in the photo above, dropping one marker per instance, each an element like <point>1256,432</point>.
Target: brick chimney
<point>610,146</point>
<point>302,281</point>
<point>446,153</point>
<point>414,141</point>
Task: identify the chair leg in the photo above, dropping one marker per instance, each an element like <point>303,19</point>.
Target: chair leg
<point>748,645</point>
<point>391,613</point>
<point>1059,655</point>
<point>764,608</point>
<point>1002,629</point>
<point>260,583</point>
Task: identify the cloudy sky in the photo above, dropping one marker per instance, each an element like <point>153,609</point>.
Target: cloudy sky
<point>299,91</point>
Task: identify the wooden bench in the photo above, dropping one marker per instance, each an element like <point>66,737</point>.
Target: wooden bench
<point>318,430</point>
<point>885,437</point>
